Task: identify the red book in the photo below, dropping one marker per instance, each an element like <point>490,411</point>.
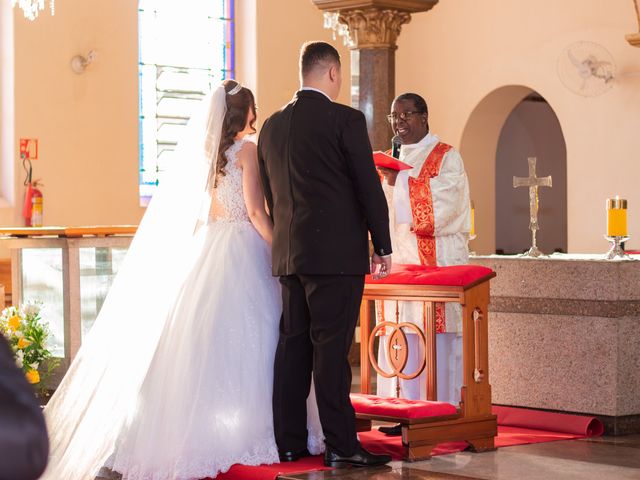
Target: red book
<point>382,159</point>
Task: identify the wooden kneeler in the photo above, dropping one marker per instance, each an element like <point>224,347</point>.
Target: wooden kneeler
<point>472,419</point>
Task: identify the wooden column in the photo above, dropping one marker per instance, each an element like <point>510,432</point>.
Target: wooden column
<point>373,29</point>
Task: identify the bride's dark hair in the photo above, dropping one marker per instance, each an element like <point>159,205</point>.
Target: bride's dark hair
<point>238,107</point>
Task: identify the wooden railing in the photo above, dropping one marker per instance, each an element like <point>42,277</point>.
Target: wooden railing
<point>89,231</point>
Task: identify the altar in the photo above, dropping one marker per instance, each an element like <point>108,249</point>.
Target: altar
<point>564,332</point>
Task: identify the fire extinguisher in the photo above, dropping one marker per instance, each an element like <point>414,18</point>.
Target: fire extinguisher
<point>33,199</point>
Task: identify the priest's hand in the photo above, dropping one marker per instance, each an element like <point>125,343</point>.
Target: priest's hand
<point>380,266</point>
<point>389,174</point>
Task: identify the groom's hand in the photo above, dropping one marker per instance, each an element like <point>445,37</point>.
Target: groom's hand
<point>380,266</point>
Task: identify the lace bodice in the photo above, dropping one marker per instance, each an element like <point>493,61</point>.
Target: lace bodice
<point>227,200</point>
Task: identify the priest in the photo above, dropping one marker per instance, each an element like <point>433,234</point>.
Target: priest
<point>430,223</point>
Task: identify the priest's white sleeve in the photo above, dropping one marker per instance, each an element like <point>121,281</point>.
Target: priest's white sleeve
<point>401,200</point>
<point>389,193</point>
<point>450,194</point>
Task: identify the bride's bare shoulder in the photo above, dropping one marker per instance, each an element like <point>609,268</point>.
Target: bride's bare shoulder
<point>248,152</point>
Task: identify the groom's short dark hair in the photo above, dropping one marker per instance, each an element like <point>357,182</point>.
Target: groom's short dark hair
<point>313,54</point>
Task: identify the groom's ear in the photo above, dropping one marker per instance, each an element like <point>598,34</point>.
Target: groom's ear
<point>334,72</point>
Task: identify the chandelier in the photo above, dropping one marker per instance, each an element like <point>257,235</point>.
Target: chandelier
<point>31,8</point>
<point>331,22</point>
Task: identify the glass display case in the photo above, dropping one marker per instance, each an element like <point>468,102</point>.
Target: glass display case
<point>70,271</point>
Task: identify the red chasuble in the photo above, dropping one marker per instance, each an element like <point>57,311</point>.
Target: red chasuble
<point>423,218</point>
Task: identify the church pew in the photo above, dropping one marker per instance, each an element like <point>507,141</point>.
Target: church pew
<point>472,419</point>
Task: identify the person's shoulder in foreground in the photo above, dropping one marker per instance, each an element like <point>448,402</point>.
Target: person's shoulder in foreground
<point>23,434</point>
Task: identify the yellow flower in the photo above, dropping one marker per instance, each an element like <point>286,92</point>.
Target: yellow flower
<point>23,343</point>
<point>14,322</point>
<point>33,376</point>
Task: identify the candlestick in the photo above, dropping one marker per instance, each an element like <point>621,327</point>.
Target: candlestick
<point>472,232</point>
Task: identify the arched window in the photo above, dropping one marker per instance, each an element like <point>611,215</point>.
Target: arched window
<point>186,47</point>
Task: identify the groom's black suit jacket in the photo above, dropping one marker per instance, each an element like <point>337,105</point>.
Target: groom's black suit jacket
<point>322,188</point>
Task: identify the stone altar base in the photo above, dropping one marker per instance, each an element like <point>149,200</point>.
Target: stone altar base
<point>564,335</point>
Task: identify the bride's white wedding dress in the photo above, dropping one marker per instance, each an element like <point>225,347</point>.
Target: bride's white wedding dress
<point>205,403</point>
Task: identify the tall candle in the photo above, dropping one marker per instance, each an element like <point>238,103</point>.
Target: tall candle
<point>473,220</point>
<point>616,217</point>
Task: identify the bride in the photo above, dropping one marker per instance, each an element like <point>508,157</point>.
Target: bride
<point>174,380</point>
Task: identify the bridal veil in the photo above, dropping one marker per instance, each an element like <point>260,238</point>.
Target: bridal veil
<point>100,389</point>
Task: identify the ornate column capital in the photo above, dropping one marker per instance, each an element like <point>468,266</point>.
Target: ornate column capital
<point>373,28</point>
<point>371,24</point>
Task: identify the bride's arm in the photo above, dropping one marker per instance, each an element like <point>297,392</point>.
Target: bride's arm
<point>252,191</point>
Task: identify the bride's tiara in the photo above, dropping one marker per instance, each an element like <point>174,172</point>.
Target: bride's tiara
<point>235,89</point>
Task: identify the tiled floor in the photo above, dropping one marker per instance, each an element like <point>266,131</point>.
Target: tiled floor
<point>606,458</point>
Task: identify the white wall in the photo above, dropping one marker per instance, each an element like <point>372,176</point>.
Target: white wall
<point>87,124</point>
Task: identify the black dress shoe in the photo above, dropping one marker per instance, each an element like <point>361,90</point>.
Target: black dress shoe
<point>293,456</point>
<point>394,431</point>
<point>361,458</point>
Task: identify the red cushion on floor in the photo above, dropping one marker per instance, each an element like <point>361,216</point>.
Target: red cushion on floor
<point>399,407</point>
<point>456,275</point>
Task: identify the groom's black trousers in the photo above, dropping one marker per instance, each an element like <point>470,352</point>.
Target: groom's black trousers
<point>316,329</point>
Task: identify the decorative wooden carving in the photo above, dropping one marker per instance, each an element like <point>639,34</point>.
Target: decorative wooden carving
<point>478,372</point>
<point>397,350</point>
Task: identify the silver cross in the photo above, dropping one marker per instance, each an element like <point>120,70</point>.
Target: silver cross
<point>533,182</point>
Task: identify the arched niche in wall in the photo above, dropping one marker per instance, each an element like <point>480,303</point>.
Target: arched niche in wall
<point>478,147</point>
<point>532,129</point>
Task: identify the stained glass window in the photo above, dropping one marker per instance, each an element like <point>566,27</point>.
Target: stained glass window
<point>186,47</point>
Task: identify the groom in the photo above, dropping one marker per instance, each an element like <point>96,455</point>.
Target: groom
<point>324,196</point>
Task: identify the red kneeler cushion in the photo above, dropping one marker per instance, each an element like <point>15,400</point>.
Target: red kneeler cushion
<point>455,275</point>
<point>399,407</point>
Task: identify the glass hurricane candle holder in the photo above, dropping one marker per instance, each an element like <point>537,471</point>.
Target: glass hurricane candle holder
<point>616,227</point>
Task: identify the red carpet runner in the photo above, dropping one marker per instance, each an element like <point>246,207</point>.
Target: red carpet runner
<point>516,426</point>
